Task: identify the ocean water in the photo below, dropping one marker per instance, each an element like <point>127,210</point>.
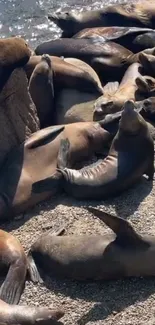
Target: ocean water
<point>28,18</point>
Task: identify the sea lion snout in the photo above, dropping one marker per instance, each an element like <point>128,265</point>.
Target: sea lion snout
<point>129,120</point>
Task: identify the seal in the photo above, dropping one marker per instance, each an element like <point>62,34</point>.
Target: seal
<point>69,73</point>
<point>132,87</point>
<point>148,63</point>
<point>141,14</point>
<point>41,89</point>
<point>14,52</point>
<point>22,315</point>
<point>125,164</point>
<point>133,38</point>
<point>123,253</point>
<point>14,261</point>
<point>36,159</point>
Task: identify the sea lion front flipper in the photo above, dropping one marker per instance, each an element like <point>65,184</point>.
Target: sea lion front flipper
<point>32,270</point>
<point>122,228</point>
<point>44,137</point>
<point>13,286</point>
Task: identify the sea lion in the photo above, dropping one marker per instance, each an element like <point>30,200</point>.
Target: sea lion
<point>14,52</point>
<point>123,253</point>
<point>148,62</point>
<point>22,315</point>
<point>77,75</point>
<point>41,89</point>
<point>37,158</point>
<point>14,260</point>
<point>108,59</point>
<point>141,14</point>
<point>126,162</point>
<point>132,86</point>
<point>133,38</point>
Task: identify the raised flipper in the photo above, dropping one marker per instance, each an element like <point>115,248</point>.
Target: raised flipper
<point>110,88</point>
<point>43,136</point>
<point>122,228</point>
<point>48,183</point>
<point>47,58</point>
<point>32,270</point>
<point>14,283</point>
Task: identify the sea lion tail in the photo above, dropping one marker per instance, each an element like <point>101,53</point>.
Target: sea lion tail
<point>32,270</point>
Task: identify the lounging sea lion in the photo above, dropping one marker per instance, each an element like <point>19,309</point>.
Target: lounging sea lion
<point>123,253</point>
<point>126,162</point>
<point>22,315</point>
<point>129,37</point>
<point>148,62</point>
<point>108,59</point>
<point>141,14</point>
<point>41,89</point>
<point>37,158</point>
<point>14,52</point>
<point>132,86</point>
<point>77,75</point>
<point>14,260</point>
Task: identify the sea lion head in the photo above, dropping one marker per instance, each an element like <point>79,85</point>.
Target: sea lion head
<point>65,20</point>
<point>104,106</point>
<point>148,62</point>
<point>131,121</point>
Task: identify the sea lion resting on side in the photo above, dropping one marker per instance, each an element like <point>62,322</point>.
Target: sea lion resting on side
<point>124,253</point>
<point>37,158</point>
<point>131,155</point>
<point>15,315</point>
<point>141,14</point>
<point>133,38</point>
<point>66,74</point>
<point>132,86</point>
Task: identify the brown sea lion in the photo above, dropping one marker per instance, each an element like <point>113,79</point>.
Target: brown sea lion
<point>148,62</point>
<point>14,52</point>
<point>115,95</point>
<point>37,159</point>
<point>22,315</point>
<point>123,253</point>
<point>66,74</point>
<point>140,14</point>
<point>14,260</point>
<point>126,162</point>
<point>125,36</point>
<point>41,89</point>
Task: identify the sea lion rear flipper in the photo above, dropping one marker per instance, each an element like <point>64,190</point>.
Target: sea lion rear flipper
<point>13,285</point>
<point>122,228</point>
<point>44,137</point>
<point>32,270</point>
<point>110,88</point>
<point>49,182</point>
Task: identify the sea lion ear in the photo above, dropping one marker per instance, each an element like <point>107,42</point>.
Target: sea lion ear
<point>122,228</point>
<point>142,84</point>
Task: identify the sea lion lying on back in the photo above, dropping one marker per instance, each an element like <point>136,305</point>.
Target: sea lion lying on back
<point>15,315</point>
<point>132,87</point>
<point>126,162</point>
<point>123,253</point>
<point>37,158</point>
<point>125,36</point>
<point>141,14</point>
<point>14,52</point>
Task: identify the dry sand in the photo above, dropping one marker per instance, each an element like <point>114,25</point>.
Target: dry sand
<point>114,302</point>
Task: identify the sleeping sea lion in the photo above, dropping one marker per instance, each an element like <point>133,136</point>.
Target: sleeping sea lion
<point>133,38</point>
<point>123,253</point>
<point>14,52</point>
<point>41,89</point>
<point>77,75</point>
<point>15,315</point>
<point>148,62</point>
<point>132,86</point>
<point>14,260</point>
<point>37,158</point>
<point>140,14</point>
<point>126,162</point>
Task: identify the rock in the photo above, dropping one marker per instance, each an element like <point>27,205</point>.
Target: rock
<point>18,115</point>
